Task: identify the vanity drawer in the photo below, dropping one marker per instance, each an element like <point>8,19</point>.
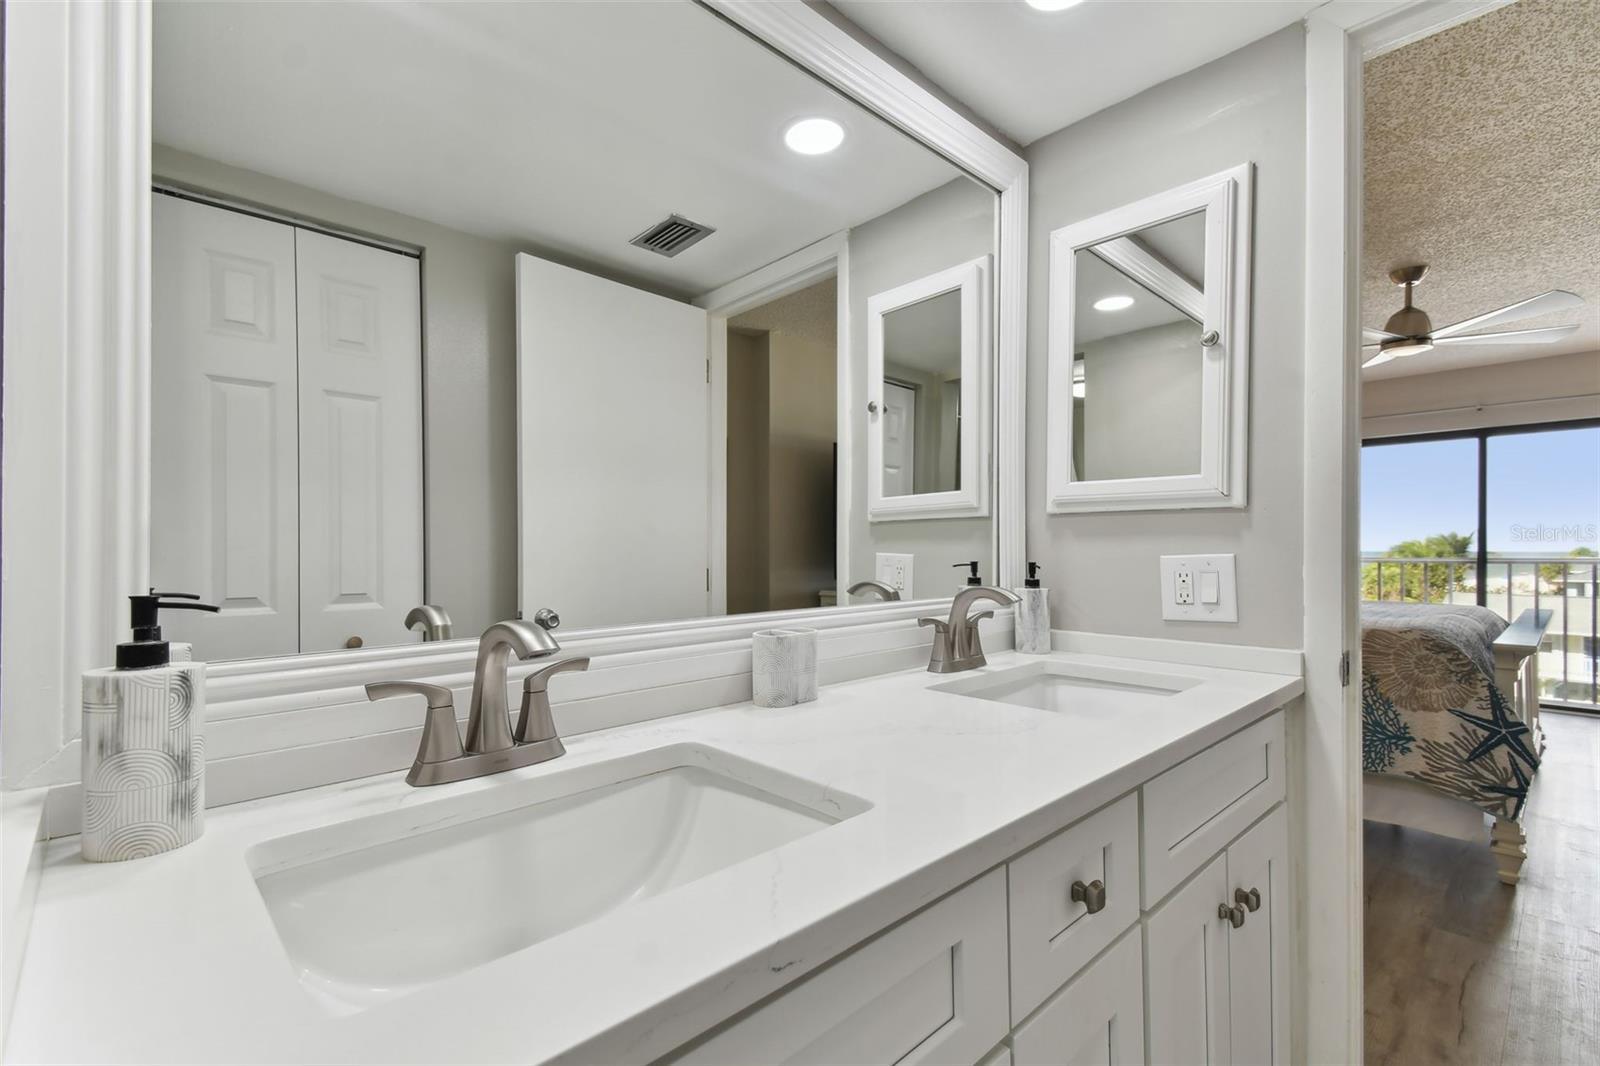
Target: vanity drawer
<point>1097,1019</point>
<point>1053,936</point>
<point>1195,808</point>
<point>930,990</point>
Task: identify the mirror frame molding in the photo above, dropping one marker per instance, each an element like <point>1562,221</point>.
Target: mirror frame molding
<point>76,508</point>
<point>971,500</point>
<point>1226,199</point>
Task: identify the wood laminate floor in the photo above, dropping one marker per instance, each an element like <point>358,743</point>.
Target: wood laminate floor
<point>1463,969</point>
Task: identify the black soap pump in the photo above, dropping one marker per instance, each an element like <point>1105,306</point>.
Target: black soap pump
<point>972,577</point>
<point>1033,614</point>
<point>147,649</point>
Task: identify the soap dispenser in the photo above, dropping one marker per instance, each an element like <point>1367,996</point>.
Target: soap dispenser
<point>144,742</point>
<point>1033,614</point>
<point>973,578</point>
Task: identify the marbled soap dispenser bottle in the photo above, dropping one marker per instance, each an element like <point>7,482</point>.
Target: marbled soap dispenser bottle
<point>1033,615</point>
<point>144,743</point>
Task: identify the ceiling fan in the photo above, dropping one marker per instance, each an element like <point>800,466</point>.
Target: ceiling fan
<point>1410,331</point>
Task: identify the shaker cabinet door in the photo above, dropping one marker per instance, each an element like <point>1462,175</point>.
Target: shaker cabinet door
<point>1187,972</point>
<point>1258,951</point>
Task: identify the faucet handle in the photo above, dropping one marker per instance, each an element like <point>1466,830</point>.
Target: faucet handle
<point>441,740</point>
<point>536,723</point>
<point>974,619</point>
<point>940,626</point>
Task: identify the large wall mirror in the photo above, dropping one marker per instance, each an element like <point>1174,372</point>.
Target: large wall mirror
<point>491,308</point>
<point>1149,352</point>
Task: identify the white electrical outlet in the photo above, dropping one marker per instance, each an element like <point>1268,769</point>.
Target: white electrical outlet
<point>1183,586</point>
<point>894,570</point>
<point>1198,588</point>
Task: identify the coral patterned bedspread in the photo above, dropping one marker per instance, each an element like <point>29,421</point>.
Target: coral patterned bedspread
<point>1430,710</point>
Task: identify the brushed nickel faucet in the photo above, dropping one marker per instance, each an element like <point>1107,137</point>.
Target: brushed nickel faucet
<point>880,589</point>
<point>490,745</point>
<point>433,621</point>
<point>956,642</point>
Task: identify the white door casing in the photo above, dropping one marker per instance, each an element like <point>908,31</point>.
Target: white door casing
<point>360,331</point>
<point>899,439</point>
<point>613,435</point>
<point>224,481</point>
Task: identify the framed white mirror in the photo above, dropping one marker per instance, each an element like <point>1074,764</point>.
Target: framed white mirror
<point>928,345</point>
<point>1150,351</point>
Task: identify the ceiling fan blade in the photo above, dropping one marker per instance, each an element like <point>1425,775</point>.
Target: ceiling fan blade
<point>1377,336</point>
<point>1378,359</point>
<point>1548,335</point>
<point>1544,303</point>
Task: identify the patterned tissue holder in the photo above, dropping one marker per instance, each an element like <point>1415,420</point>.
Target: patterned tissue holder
<point>144,784</point>
<point>783,667</point>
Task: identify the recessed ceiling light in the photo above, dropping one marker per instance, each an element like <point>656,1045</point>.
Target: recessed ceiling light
<point>1113,303</point>
<point>814,136</point>
<point>1053,5</point>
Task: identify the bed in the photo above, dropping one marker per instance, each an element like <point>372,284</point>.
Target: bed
<point>1450,733</point>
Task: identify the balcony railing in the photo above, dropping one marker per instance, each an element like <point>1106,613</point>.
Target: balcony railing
<point>1569,663</point>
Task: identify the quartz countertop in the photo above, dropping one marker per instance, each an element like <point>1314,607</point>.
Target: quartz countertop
<point>175,959</point>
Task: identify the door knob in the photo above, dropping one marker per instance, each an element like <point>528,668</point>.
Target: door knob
<point>1250,901</point>
<point>1234,916</point>
<point>872,407</point>
<point>1209,338</point>
<point>1091,895</point>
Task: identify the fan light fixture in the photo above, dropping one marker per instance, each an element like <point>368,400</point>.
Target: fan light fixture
<point>814,136</point>
<point>1053,5</point>
<point>1113,303</point>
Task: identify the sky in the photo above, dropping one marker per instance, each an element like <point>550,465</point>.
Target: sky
<point>1544,491</point>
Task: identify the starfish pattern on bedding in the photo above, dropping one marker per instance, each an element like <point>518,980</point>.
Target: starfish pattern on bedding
<point>1500,729</point>
<point>1518,792</point>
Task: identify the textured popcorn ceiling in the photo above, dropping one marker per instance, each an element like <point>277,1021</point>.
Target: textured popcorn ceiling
<point>1483,161</point>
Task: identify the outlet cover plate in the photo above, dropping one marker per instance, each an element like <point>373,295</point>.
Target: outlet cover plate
<point>1226,609</point>
<point>894,570</point>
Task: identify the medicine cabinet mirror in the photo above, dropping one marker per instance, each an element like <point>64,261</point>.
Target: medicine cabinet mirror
<point>1149,352</point>
<point>431,328</point>
<point>927,373</point>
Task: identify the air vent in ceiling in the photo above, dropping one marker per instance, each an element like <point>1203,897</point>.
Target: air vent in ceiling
<point>672,236</point>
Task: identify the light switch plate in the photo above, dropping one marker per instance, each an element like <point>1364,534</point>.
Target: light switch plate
<point>894,570</point>
<point>1187,581</point>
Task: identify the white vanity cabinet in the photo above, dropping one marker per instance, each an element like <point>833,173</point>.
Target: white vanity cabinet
<point>1217,990</point>
<point>1153,930</point>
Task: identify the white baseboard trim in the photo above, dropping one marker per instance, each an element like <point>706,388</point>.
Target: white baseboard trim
<point>1189,652</point>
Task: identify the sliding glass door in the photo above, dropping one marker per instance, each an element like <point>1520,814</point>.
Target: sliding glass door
<point>1506,518</point>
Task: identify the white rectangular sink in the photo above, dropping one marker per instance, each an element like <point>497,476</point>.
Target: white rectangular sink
<point>1078,688</point>
<point>377,907</point>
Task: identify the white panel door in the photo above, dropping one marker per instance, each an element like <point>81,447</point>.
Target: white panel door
<point>1258,951</point>
<point>899,439</point>
<point>224,504</point>
<point>1187,973</point>
<point>613,450</point>
<point>360,442</point>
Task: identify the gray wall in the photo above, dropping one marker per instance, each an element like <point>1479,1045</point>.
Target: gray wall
<point>469,387</point>
<point>1103,568</point>
<point>1140,415</point>
<point>943,228</point>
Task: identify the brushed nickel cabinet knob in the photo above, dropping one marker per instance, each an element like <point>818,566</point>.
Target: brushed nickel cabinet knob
<point>1250,901</point>
<point>1091,895</point>
<point>1234,916</point>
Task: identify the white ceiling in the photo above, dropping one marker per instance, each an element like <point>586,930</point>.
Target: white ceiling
<point>571,127</point>
<point>1030,72</point>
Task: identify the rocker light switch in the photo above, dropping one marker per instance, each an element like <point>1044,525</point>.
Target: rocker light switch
<point>1198,588</point>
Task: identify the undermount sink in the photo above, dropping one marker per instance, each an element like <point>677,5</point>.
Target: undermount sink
<point>371,909</point>
<point>1052,685</point>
